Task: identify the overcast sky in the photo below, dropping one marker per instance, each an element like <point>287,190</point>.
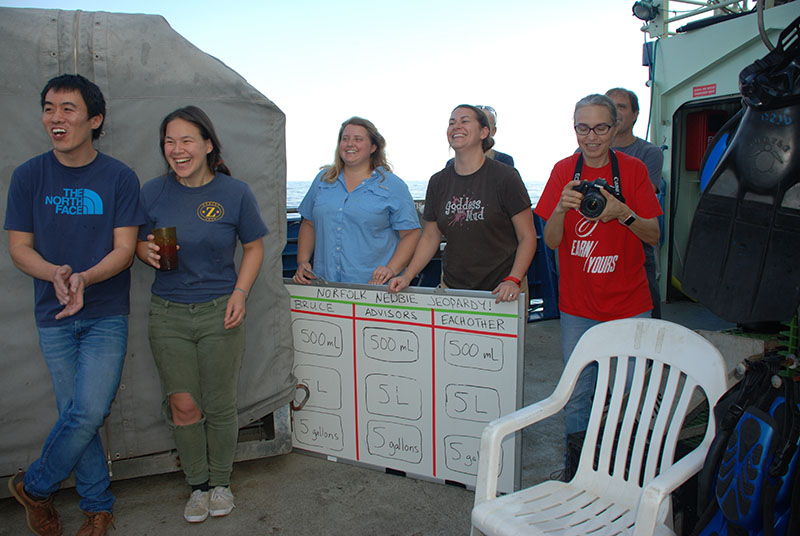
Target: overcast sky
<point>405,64</point>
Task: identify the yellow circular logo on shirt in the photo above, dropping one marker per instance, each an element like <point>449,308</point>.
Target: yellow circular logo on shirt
<point>210,211</point>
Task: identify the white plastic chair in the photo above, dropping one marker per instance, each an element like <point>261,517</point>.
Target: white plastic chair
<point>626,468</point>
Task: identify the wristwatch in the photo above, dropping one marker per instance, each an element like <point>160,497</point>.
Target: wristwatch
<point>630,219</point>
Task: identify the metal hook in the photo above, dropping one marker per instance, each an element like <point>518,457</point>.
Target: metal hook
<point>301,387</point>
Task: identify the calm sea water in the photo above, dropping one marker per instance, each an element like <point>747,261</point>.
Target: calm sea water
<point>296,190</point>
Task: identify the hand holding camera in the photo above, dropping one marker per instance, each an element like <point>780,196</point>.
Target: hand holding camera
<point>594,202</point>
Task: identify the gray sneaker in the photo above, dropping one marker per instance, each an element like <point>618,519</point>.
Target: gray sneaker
<point>221,503</point>
<point>196,509</point>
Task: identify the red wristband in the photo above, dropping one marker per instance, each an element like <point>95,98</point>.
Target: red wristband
<point>512,279</point>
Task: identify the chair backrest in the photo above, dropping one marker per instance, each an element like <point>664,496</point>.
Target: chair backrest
<point>633,429</point>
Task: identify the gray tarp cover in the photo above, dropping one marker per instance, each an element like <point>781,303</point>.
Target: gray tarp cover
<point>145,70</point>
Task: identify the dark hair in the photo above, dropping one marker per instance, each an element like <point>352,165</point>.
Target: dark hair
<point>198,118</point>
<point>91,94</point>
<point>483,121</point>
<point>595,99</point>
<point>630,94</point>
<point>376,159</point>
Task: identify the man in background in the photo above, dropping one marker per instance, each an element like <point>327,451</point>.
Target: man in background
<point>624,141</point>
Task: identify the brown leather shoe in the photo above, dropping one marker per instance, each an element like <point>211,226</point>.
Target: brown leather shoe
<point>42,517</point>
<point>96,524</point>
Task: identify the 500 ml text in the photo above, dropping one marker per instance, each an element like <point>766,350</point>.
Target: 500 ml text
<point>319,339</point>
<point>390,343</point>
<point>469,349</point>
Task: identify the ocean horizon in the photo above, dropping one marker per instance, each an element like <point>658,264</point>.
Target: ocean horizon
<point>296,190</point>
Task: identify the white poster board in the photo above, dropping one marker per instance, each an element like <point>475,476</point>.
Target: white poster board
<point>406,381</point>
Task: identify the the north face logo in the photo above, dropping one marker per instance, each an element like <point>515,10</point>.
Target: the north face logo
<point>76,201</point>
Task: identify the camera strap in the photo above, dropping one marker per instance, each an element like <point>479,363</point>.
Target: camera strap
<point>614,171</point>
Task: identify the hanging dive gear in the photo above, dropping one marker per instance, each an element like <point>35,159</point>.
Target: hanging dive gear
<point>742,259</point>
<point>749,486</point>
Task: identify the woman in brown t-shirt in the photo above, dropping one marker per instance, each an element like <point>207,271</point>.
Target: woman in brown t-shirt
<point>483,210</point>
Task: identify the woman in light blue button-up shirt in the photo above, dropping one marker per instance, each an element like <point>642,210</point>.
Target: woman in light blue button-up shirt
<point>359,219</point>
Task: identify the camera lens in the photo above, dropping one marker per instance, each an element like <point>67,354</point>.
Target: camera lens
<point>592,204</point>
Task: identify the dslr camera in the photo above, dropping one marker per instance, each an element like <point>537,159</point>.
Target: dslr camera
<point>593,202</point>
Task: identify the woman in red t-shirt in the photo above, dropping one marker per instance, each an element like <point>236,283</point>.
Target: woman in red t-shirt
<point>601,259</point>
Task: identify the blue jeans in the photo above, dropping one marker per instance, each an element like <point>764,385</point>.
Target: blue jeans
<point>85,361</point>
<point>577,410</point>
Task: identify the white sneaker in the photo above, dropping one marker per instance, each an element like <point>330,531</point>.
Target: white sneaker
<point>221,502</point>
<point>196,509</point>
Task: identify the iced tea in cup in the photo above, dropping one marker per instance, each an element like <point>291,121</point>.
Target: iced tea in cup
<point>166,238</point>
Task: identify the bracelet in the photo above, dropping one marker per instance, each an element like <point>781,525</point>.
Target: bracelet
<point>512,279</point>
<point>243,291</point>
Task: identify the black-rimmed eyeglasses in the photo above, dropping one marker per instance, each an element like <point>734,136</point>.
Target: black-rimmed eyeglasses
<point>600,129</point>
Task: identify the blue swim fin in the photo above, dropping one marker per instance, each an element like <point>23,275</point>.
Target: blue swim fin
<point>743,468</point>
<point>717,147</point>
